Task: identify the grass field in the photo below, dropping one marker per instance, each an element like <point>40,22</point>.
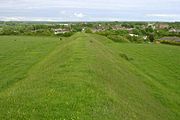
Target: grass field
<point>88,77</point>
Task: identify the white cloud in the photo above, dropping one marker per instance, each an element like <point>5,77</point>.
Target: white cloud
<point>79,15</point>
<point>12,18</point>
<point>163,15</point>
<point>89,4</point>
<point>18,18</point>
<point>63,12</point>
<point>89,9</point>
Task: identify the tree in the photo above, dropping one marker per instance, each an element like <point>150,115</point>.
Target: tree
<point>151,37</point>
<point>88,30</point>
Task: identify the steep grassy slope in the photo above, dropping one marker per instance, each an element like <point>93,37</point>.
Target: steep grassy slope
<point>90,77</point>
<point>161,64</point>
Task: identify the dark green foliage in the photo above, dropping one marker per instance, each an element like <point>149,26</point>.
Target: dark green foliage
<point>127,25</point>
<point>88,30</point>
<point>137,32</point>
<point>67,34</point>
<point>124,56</point>
<point>135,39</point>
<point>112,32</point>
<point>122,32</point>
<point>175,25</point>
<point>117,38</point>
<point>149,29</point>
<point>151,37</point>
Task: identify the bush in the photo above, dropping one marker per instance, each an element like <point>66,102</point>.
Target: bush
<point>124,56</point>
<point>170,42</point>
<point>135,39</point>
<point>151,37</point>
<point>117,38</point>
<point>88,31</point>
<point>44,32</point>
<point>68,34</point>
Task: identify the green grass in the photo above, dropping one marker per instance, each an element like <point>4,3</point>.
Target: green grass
<point>88,77</point>
<point>19,54</point>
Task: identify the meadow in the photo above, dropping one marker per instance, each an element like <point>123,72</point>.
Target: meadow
<point>87,77</point>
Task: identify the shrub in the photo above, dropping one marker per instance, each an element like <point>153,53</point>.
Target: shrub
<point>68,34</point>
<point>88,31</point>
<point>117,38</point>
<point>135,39</point>
<point>151,37</point>
<point>170,42</point>
<point>124,56</point>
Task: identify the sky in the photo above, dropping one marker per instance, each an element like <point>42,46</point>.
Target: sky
<point>90,10</point>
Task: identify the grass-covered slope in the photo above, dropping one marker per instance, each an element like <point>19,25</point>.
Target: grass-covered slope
<point>87,77</point>
<point>19,54</point>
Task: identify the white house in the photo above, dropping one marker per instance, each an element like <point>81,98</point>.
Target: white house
<point>144,37</point>
<point>60,30</point>
<point>133,35</point>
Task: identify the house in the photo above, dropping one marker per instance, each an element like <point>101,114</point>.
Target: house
<point>99,28</point>
<point>117,27</point>
<point>174,30</point>
<point>178,30</point>
<point>162,26</point>
<point>133,35</point>
<point>170,39</point>
<point>64,24</point>
<point>152,25</point>
<point>129,29</point>
<point>60,30</point>
<point>145,37</point>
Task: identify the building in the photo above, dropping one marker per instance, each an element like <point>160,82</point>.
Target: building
<point>178,30</point>
<point>60,30</point>
<point>133,35</point>
<point>117,27</point>
<point>64,24</point>
<point>99,28</point>
<point>162,26</point>
<point>170,39</point>
<point>174,30</point>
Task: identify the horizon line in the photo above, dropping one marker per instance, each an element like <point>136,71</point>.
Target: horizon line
<point>90,21</point>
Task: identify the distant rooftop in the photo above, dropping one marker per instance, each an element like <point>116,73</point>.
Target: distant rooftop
<point>175,39</point>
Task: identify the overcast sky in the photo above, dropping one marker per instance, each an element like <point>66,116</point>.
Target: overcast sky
<point>90,10</point>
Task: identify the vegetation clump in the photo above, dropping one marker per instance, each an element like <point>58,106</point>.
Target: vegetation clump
<point>124,56</point>
<point>118,38</point>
